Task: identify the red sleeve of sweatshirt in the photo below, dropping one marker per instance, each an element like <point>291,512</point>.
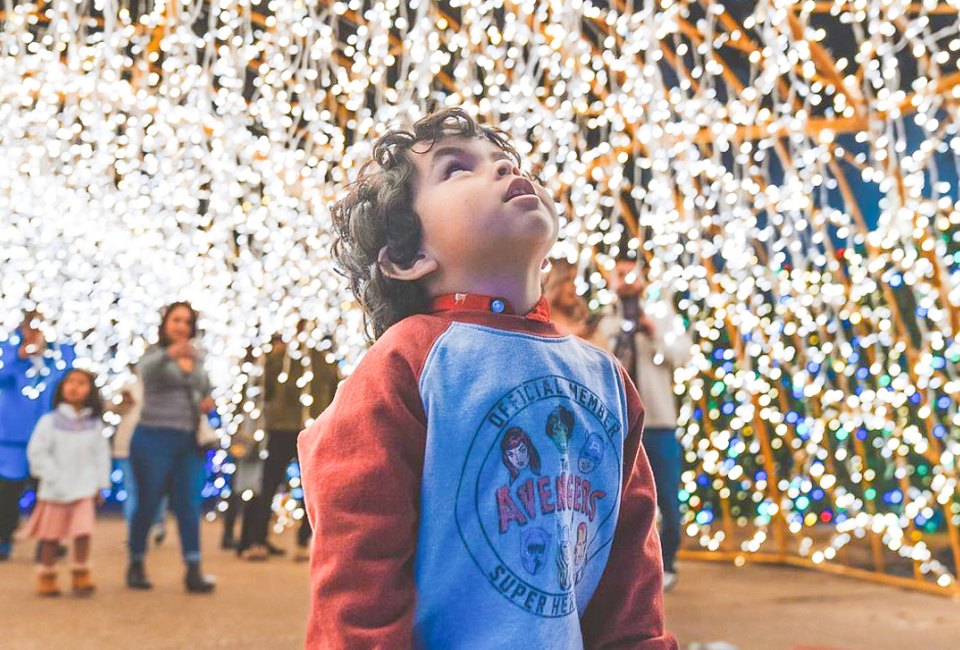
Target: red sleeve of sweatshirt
<point>362,463</point>
<point>626,610</point>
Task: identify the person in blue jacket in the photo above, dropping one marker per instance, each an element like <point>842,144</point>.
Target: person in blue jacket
<point>30,368</point>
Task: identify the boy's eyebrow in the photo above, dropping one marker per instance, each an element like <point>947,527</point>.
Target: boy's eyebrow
<point>453,150</point>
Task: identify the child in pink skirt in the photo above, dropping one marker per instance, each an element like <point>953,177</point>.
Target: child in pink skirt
<point>71,457</point>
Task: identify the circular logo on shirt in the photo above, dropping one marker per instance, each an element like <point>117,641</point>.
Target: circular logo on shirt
<point>539,491</point>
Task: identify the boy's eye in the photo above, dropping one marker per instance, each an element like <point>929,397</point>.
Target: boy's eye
<point>453,167</point>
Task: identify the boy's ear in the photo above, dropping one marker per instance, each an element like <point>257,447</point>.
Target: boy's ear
<point>421,267</point>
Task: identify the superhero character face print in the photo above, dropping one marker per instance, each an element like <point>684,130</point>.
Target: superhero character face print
<point>560,427</point>
<point>580,553</point>
<point>519,456</point>
<point>533,549</point>
<point>580,550</point>
<point>564,573</point>
<point>518,453</point>
<point>538,518</point>
<point>570,574</point>
<point>591,453</point>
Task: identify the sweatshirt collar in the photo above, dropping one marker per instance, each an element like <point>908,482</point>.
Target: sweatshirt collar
<point>492,304</point>
<point>68,411</point>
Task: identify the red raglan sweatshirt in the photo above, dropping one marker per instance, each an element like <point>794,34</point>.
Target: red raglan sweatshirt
<point>479,482</point>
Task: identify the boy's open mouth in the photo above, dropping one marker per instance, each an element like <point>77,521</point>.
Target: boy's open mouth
<point>519,187</point>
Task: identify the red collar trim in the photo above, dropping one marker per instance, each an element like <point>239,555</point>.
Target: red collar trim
<point>477,302</point>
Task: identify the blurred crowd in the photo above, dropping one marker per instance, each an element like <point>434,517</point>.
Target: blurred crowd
<point>54,441</point>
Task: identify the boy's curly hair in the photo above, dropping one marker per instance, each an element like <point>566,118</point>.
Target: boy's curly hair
<point>378,212</point>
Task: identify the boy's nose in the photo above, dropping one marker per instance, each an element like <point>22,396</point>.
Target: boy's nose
<point>506,167</point>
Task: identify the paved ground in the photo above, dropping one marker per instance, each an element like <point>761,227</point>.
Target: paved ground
<point>263,606</point>
<point>759,607</point>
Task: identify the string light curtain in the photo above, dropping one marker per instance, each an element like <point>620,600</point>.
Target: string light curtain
<point>786,171</point>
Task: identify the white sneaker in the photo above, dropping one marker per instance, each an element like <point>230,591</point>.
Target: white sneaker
<point>670,579</point>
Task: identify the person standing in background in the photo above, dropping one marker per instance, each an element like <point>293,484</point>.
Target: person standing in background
<point>129,410</point>
<point>650,341</point>
<point>71,457</point>
<point>245,449</point>
<point>295,393</point>
<point>30,367</point>
<point>164,451</point>
<point>568,310</point>
<point>245,482</point>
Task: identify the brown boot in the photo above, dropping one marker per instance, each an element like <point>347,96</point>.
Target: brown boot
<point>82,582</point>
<point>47,582</point>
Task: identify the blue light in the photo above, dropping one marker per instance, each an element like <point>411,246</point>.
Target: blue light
<point>293,471</point>
<point>27,499</point>
<point>704,517</point>
<point>893,496</point>
<point>727,408</point>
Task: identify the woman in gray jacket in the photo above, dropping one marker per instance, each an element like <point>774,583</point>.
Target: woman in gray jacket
<point>164,454</point>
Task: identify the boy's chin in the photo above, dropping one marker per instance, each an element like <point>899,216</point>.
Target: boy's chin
<point>514,253</point>
<point>539,225</point>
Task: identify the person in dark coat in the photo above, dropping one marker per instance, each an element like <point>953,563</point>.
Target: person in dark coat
<point>30,368</point>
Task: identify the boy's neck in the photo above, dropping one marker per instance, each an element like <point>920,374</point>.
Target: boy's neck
<point>523,293</point>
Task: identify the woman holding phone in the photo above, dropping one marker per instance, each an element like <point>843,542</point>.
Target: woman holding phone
<point>164,453</point>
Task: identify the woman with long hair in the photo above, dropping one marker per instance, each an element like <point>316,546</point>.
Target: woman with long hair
<point>164,453</point>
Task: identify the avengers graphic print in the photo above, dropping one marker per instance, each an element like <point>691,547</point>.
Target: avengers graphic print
<point>539,482</point>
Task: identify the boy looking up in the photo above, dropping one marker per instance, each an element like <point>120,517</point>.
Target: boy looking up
<point>478,482</point>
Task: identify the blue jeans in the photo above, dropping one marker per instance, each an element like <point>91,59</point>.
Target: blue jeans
<point>166,462</point>
<point>130,487</point>
<point>666,458</point>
